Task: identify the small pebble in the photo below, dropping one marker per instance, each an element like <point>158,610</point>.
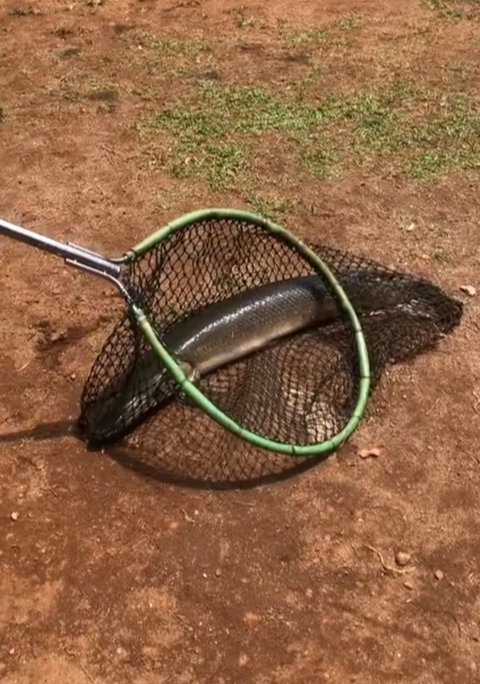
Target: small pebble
<point>58,335</point>
<point>309,593</point>
<point>411,227</point>
<point>251,619</point>
<point>408,584</point>
<point>373,452</point>
<point>14,515</point>
<point>218,572</point>
<point>12,651</point>
<point>438,574</point>
<point>402,558</point>
<point>469,290</point>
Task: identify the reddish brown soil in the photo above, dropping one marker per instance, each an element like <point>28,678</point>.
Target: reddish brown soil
<point>108,576</point>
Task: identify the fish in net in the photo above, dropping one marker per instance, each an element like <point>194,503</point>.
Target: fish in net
<point>300,387</point>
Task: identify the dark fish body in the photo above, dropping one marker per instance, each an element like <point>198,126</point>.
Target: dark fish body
<point>230,329</point>
<point>233,328</point>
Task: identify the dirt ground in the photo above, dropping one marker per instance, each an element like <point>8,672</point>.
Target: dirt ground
<point>109,576</point>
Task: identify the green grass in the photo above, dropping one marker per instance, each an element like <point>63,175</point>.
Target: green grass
<point>244,20</point>
<point>70,52</point>
<point>273,208</point>
<point>349,24</point>
<point>169,46</point>
<point>219,163</point>
<point>95,91</point>
<point>328,36</point>
<point>102,92</point>
<point>417,132</point>
<point>23,11</point>
<point>455,9</point>
<point>318,36</point>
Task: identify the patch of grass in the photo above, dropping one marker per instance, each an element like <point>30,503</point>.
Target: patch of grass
<point>70,52</point>
<point>96,91</point>
<point>169,46</point>
<point>102,92</point>
<point>226,110</point>
<point>24,11</point>
<point>219,163</point>
<point>349,24</point>
<point>244,20</point>
<point>71,94</point>
<point>318,36</point>
<point>144,94</point>
<point>323,36</point>
<point>420,133</point>
<point>275,208</point>
<point>455,9</point>
<point>442,256</point>
<point>448,140</point>
<point>214,137</point>
<point>321,161</point>
<point>64,32</point>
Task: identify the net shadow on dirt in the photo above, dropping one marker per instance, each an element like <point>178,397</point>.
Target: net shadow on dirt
<point>41,432</point>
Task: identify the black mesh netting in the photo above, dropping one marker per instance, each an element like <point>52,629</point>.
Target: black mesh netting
<point>300,390</point>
